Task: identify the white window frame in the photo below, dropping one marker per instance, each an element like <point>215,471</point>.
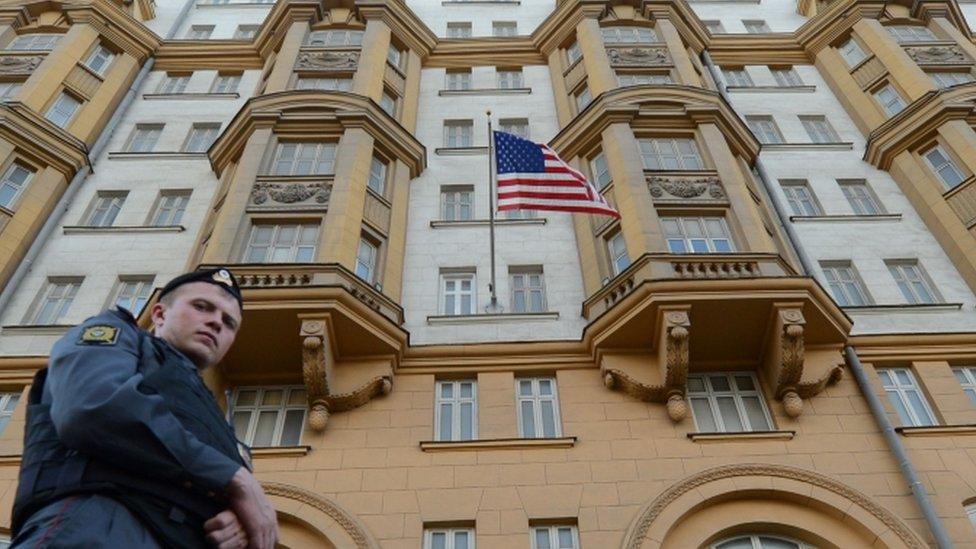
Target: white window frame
<point>711,241</point>
<point>201,136</point>
<point>376,180</point>
<point>756,26</point>
<point>912,280</point>
<point>246,32</point>
<point>458,134</point>
<point>515,126</point>
<point>765,129</point>
<point>910,33</point>
<point>10,185</point>
<point>889,100</point>
<point>458,293</point>
<point>617,249</point>
<point>37,41</point>
<point>394,56</point>
<point>105,208</point>
<point>144,138</point>
<point>295,248</point>
<point>99,59</point>
<point>457,80</point>
<point>898,389</point>
<point>281,409</point>
<point>458,29</point>
<point>527,289</point>
<point>135,291</point>
<point>388,102</point>
<point>861,198</point>
<point>200,32</point>
<point>711,395</point>
<point>756,541</point>
<point>573,53</point>
<point>818,128</point>
<point>8,405</point>
<point>322,157</point>
<point>323,83</point>
<point>170,208</point>
<point>737,77</point>
<point>947,79</point>
<point>628,35</point>
<point>971,513</point>
<point>625,79</point>
<point>600,170</point>
<point>366,256</point>
<point>786,77</point>
<point>63,110</point>
<point>583,98</point>
<point>449,537</point>
<point>67,288</point>
<point>845,283</point>
<point>510,79</point>
<point>173,84</point>
<point>504,29</point>
<point>966,375</point>
<point>653,150</point>
<point>800,197</point>
<point>537,399</point>
<point>335,38</point>
<point>944,167</point>
<point>714,26</point>
<point>455,401</point>
<point>453,201</point>
<point>9,90</point>
<point>226,83</point>
<point>852,53</point>
<point>552,532</point>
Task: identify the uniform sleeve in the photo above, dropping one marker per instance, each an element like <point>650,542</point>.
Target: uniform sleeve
<point>97,409</point>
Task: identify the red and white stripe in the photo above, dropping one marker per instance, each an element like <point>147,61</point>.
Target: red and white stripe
<point>560,188</point>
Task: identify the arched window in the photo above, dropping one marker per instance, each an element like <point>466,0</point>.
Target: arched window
<point>760,541</point>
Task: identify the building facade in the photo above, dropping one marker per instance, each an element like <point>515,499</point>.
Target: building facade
<point>773,346</point>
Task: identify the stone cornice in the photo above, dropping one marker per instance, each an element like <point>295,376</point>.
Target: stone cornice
<point>405,24</point>
<point>316,109</point>
<point>558,26</point>
<point>452,53</point>
<point>41,140</point>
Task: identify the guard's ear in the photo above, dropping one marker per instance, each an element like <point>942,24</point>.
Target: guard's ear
<point>158,315</point>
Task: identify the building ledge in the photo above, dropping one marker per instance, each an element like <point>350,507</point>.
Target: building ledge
<point>768,89</point>
<point>191,96</point>
<point>814,218</point>
<point>10,459</point>
<point>742,436</point>
<point>235,5</point>
<point>485,91</point>
<point>481,2</point>
<point>921,307</point>
<point>839,146</point>
<point>492,318</point>
<point>496,444</point>
<point>938,430</point>
<point>460,151</point>
<point>81,229</point>
<point>280,451</point>
<point>161,155</point>
<point>38,329</point>
<point>440,224</point>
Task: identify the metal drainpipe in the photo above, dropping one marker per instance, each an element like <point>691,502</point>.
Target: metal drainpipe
<point>54,219</point>
<point>874,403</point>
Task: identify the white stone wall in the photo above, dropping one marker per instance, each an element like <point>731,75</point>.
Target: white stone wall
<point>436,15</point>
<point>780,15</point>
<point>224,17</point>
<point>104,256</point>
<point>969,12</point>
<point>429,250</point>
<point>867,243</point>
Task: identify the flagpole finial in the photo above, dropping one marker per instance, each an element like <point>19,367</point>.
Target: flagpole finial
<point>488,112</point>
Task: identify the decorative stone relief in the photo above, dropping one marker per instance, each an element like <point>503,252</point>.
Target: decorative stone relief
<point>639,56</point>
<point>327,60</point>
<point>937,55</point>
<point>790,389</point>
<point>686,188</point>
<point>19,64</point>
<point>313,194</point>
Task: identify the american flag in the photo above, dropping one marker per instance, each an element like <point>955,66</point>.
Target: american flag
<point>532,177</point>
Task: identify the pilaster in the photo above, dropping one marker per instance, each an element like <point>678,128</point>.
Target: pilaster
<point>639,220</point>
<point>599,75</point>
<point>285,60</point>
<point>368,79</point>
<point>45,83</point>
<point>902,70</point>
<point>679,54</point>
<point>341,232</point>
<point>397,238</point>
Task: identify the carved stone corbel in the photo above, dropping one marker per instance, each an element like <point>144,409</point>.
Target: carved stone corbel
<point>790,330</point>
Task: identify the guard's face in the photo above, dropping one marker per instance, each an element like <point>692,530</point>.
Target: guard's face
<point>201,322</point>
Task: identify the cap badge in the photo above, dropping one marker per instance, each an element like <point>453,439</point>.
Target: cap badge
<point>223,276</point>
<point>99,335</point>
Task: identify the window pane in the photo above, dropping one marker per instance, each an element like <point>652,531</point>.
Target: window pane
<point>915,400</point>
<point>447,420</point>
<point>720,383</point>
<point>460,540</point>
<point>548,419</point>
<point>241,419</point>
<point>264,434</point>
<point>438,540</point>
<point>246,398</point>
<point>528,420</point>
<point>566,538</point>
<point>755,414</point>
<point>467,421</point>
<point>702,411</point>
<point>542,538</point>
<point>730,414</point>
<point>292,431</point>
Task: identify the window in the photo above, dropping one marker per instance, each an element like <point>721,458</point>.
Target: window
<point>517,126</point>
<point>555,537</point>
<point>457,291</point>
<point>200,32</point>
<point>583,98</point>
<point>800,198</point>
<point>366,260</point>
<point>170,208</point>
<point>377,176</point>
<point>628,35</point>
<point>509,79</point>
<point>9,90</point>
<point>944,168</point>
<point>304,159</point>
<point>786,77</point>
<point>388,103</point>
<point>852,53</point>
<point>967,379</point>
<point>971,512</point>
<point>670,153</point>
<point>727,403</point>
<point>99,59</point>
<point>8,403</point>
<point>105,208</point>
<point>636,79</point>
<point>35,42</point>
<point>174,83</point>
<point>144,138</point>
<point>226,83</point>
<point>910,33</point>
<point>282,243</point>
<point>458,79</point>
<point>394,56</point>
<point>906,397</point>
<point>755,26</point>
<point>764,129</point>
<point>246,32</point>
<point>737,76</point>
<point>133,293</point>
<point>456,203</point>
<point>891,103</point>
<point>270,416</point>
<point>819,130</point>
<point>62,110</point>
<point>458,133</point>
<point>201,136</point>
<point>860,197</point>
<point>538,408</point>
<point>456,410</point>
<point>600,170</point>
<point>459,30</point>
<point>845,284</point>
<point>528,289</point>
<point>573,53</point>
<point>324,84</point>
<point>714,26</point>
<point>449,538</point>
<point>519,214</point>
<point>912,282</point>
<point>760,542</point>
<point>56,298</point>
<point>697,235</point>
<point>619,260</point>
<point>504,28</point>
<point>335,38</point>
<point>13,182</point>
<point>949,79</point>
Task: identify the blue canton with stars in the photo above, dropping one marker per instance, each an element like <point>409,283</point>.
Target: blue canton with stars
<point>516,155</point>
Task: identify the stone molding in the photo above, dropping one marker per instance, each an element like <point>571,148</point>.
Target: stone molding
<point>327,61</point>
<point>266,194</point>
<point>686,188</point>
<point>356,531</point>
<point>937,55</point>
<point>19,64</point>
<point>639,56</point>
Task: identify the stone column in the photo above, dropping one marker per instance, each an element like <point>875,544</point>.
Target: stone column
<point>411,92</point>
<point>397,238</point>
<point>563,111</point>
<point>862,109</point>
<point>368,79</point>
<point>96,112</point>
<point>638,218</point>
<point>342,228</point>
<point>679,54</point>
<point>901,68</point>
<point>284,64</point>
<point>45,82</point>
<point>599,75</point>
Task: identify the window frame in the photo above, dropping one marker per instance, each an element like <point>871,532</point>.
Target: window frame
<point>617,32</point>
<point>317,160</point>
<point>908,34</point>
<point>376,178</point>
<point>174,83</point>
<point>819,129</point>
<point>765,129</point>
<point>843,282</point>
<point>851,49</point>
<point>756,26</point>
<point>737,77</point>
<point>897,269</point>
<point>72,285</point>
<point>94,54</point>
<point>949,164</point>
<point>193,137</point>
<point>598,172</point>
<point>282,410</point>
<point>458,30</point>
<point>941,82</point>
<point>807,206</point>
<point>100,212</point>
<point>200,32</point>
<point>848,187</point>
<point>142,291</point>
<point>370,263</point>
<point>57,107</point>
<point>537,398</point>
<point>756,541</point>
<point>573,53</point>
<point>457,79</point>
<point>177,209</point>
<point>520,125</point>
<point>786,76</point>
<point>680,158</point>
<point>449,537</point>
<point>736,394</point>
<point>246,31</point>
<point>466,137</point>
<point>7,182</point>
<point>688,241</point>
<point>900,389</point>
<point>892,106</point>
<point>582,98</point>
<point>332,83</point>
<point>504,29</point>
<point>351,38</point>
<point>552,530</point>
<point>615,258</point>
<point>714,26</point>
<point>518,80</point>
<point>33,37</point>
<point>459,277</point>
<point>455,401</point>
<point>234,78</point>
<point>527,272</point>
<point>295,247</point>
<point>136,138</point>
<point>966,375</point>
<point>6,414</point>
<point>456,207</point>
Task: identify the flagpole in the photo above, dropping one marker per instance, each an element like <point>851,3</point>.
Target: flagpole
<point>492,307</point>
